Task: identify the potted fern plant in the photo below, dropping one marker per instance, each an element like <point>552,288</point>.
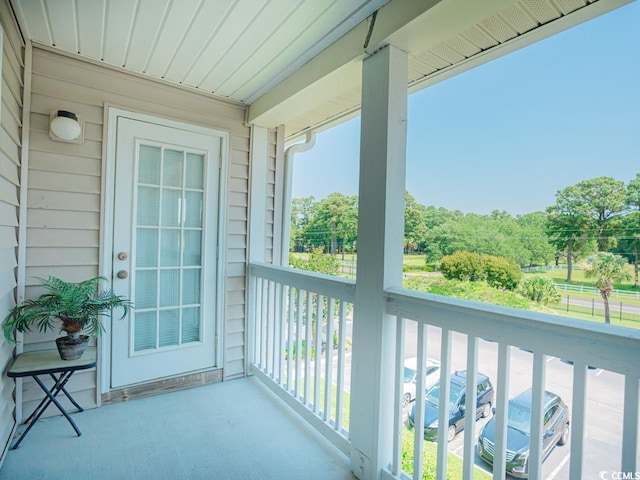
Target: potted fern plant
<point>79,306</point>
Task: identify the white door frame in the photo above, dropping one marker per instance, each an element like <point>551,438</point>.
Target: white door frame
<point>111,115</point>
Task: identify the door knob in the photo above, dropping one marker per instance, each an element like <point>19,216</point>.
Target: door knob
<point>123,274</point>
<point>122,256</point>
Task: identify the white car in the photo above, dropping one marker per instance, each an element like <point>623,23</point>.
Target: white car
<point>432,375</point>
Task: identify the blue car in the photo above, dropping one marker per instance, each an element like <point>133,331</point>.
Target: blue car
<point>485,396</point>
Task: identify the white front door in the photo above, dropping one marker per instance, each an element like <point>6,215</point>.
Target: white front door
<point>165,248</point>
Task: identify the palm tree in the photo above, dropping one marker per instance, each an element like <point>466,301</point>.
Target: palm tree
<point>607,268</point>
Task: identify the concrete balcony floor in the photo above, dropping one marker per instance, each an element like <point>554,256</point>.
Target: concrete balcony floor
<point>230,430</point>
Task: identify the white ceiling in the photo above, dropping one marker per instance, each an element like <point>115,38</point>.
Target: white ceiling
<point>259,52</point>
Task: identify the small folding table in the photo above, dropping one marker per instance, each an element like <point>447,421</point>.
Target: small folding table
<point>48,362</point>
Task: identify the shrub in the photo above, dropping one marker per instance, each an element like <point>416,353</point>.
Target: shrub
<point>539,289</point>
<point>499,272</point>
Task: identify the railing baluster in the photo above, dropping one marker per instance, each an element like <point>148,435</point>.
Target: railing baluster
<point>290,323</point>
<point>299,315</point>
<point>502,410</point>
<point>537,414</point>
<point>396,463</point>
<point>470,420</point>
<point>263,326</point>
<point>328,375</point>
<point>418,437</point>
<point>341,365</point>
<point>270,334</point>
<point>630,425</point>
<point>307,348</point>
<point>578,419</point>
<point>443,406</point>
<point>318,349</point>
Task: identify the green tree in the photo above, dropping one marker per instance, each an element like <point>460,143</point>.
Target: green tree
<point>302,214</point>
<point>335,219</point>
<point>534,239</point>
<point>415,226</point>
<point>606,268</point>
<point>631,225</point>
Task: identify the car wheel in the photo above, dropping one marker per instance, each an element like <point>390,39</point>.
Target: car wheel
<point>451,433</point>
<point>485,410</point>
<point>406,399</point>
<point>564,438</point>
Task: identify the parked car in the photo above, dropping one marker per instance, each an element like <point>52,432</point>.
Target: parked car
<point>432,373</point>
<point>485,396</point>
<point>556,430</point>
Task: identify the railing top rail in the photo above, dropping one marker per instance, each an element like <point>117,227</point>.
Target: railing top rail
<point>334,287</point>
<point>605,346</point>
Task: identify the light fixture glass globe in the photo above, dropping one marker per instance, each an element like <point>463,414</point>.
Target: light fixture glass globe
<point>65,125</point>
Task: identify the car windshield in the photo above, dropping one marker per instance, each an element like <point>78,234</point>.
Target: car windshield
<point>409,375</point>
<point>519,417</point>
<point>433,395</point>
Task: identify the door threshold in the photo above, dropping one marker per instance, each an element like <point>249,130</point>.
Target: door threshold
<point>159,387</point>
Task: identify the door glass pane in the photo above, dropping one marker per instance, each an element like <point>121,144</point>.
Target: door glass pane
<point>195,171</point>
<point>193,209</point>
<point>169,327</point>
<point>146,247</point>
<point>145,331</point>
<point>148,202</point>
<point>192,248</point>
<point>146,289</point>
<point>170,248</point>
<point>149,165</point>
<point>172,168</point>
<point>191,286</point>
<point>190,325</point>
<point>171,208</point>
<point>169,287</point>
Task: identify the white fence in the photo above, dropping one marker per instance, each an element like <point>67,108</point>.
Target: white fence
<point>285,306</point>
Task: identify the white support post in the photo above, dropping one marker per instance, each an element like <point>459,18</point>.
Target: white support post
<point>380,241</point>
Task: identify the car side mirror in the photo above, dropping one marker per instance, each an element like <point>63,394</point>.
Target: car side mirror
<point>461,408</point>
<point>548,433</point>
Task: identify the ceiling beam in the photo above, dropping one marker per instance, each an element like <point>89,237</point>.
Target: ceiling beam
<point>337,68</point>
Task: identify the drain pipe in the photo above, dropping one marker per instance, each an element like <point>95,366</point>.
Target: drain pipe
<point>309,142</point>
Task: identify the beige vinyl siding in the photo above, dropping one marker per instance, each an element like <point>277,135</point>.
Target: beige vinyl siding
<point>10,143</point>
<point>64,218</point>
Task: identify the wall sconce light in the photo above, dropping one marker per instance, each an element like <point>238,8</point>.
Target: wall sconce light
<point>66,126</point>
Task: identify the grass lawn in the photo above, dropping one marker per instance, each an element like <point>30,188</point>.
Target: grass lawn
<point>579,278</point>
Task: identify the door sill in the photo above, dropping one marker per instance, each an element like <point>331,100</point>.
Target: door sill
<point>159,387</point>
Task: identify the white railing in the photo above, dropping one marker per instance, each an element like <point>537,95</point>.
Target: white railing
<point>285,337</point>
<point>300,341</point>
<point>611,349</point>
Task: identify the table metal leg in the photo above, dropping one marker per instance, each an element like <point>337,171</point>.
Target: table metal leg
<point>50,397</point>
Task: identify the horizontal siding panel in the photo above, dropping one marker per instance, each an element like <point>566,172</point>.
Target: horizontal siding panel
<point>238,241</point>
<point>11,75</point>
<point>235,228</point>
<point>238,199</point>
<point>8,169</point>
<point>233,369</point>
<point>235,325</point>
<point>239,185</point>
<point>239,171</point>
<point>232,354</point>
<point>236,269</point>
<point>8,215</point>
<point>235,283</point>
<point>42,106</point>
<point>60,163</point>
<point>9,147</point>
<point>8,280</point>
<point>237,213</point>
<point>10,124</point>
<point>236,255</point>
<point>7,302</point>
<point>11,106</point>
<point>241,144</point>
<point>8,262</point>
<point>61,219</point>
<point>51,237</point>
<point>41,257</point>
<point>235,298</point>
<point>41,142</point>
<point>239,157</point>
<point>87,202</point>
<point>80,380</point>
<point>235,311</point>
<point>86,399</point>
<point>69,273</point>
<point>8,237</point>
<point>10,30</point>
<point>235,340</point>
<point>8,192</point>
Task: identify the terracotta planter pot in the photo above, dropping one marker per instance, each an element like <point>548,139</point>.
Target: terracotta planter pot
<point>72,348</point>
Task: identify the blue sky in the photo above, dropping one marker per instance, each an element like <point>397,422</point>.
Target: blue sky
<point>509,134</point>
